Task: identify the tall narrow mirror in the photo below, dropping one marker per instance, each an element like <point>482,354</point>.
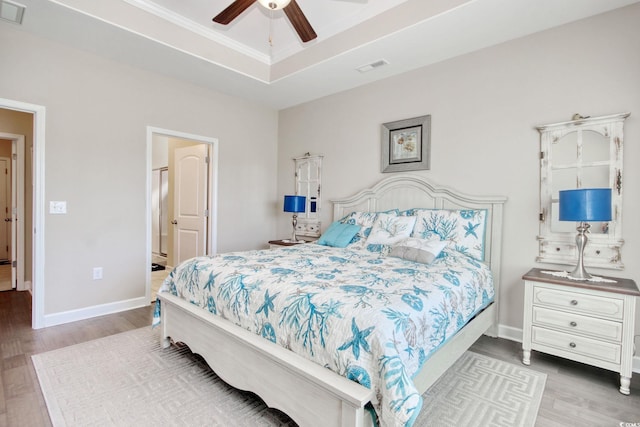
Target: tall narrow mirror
<point>308,177</point>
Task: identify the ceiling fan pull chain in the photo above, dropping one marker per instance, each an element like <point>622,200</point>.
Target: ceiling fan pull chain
<point>271,28</point>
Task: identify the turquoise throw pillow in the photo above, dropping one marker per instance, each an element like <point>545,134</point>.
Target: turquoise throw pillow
<point>338,235</point>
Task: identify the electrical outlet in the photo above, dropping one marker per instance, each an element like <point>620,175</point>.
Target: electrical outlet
<point>97,273</point>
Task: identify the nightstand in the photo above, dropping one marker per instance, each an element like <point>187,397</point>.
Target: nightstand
<point>273,244</point>
<point>585,321</point>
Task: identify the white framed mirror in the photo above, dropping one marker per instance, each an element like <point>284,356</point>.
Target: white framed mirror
<point>308,176</point>
<point>581,153</point>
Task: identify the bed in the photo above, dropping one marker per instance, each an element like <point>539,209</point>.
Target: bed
<point>373,336</point>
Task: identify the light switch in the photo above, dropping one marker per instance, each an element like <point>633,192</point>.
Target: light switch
<point>57,207</point>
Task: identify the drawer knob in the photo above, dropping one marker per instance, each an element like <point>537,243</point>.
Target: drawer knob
<point>574,302</point>
<point>572,345</point>
<point>573,324</point>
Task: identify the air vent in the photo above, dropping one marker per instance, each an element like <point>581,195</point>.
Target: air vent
<point>11,11</point>
<point>377,64</point>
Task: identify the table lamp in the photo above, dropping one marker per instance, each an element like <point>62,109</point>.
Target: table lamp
<point>295,204</point>
<point>584,205</point>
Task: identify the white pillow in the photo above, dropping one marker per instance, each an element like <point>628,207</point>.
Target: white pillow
<point>418,250</point>
<point>388,230</point>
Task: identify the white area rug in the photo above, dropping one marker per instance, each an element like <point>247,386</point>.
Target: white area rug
<point>128,380</point>
<point>482,391</point>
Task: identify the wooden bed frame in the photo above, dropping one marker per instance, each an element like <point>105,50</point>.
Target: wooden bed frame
<point>308,393</point>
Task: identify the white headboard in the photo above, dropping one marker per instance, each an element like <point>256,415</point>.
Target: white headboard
<point>408,191</point>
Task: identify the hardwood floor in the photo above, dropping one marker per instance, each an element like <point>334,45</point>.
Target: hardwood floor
<point>157,277</point>
<point>5,277</point>
<point>575,394</point>
<point>21,401</point>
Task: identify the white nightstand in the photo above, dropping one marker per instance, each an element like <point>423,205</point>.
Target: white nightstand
<point>589,322</point>
<point>273,244</point>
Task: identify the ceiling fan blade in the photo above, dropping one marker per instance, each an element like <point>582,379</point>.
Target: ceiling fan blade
<point>299,22</point>
<point>232,11</point>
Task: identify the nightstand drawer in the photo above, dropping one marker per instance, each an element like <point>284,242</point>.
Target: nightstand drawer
<point>577,345</point>
<point>589,304</point>
<point>575,323</point>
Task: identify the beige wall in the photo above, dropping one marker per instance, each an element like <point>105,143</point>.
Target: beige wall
<point>97,113</point>
<point>484,108</point>
<point>5,148</point>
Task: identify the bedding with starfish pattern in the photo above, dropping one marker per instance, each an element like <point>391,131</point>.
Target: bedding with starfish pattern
<point>371,317</point>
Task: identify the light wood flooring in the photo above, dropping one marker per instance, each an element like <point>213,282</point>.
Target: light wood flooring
<point>575,394</point>
<point>157,277</point>
<point>21,401</point>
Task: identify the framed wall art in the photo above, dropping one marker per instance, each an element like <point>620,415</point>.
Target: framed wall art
<point>406,145</point>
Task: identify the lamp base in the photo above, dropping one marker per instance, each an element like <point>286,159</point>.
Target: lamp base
<point>579,273</point>
<point>294,223</point>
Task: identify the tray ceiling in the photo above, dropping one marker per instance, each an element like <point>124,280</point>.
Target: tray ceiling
<point>178,38</point>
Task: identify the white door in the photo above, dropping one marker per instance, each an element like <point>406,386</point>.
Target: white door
<point>190,202</point>
<point>5,204</point>
<point>17,213</point>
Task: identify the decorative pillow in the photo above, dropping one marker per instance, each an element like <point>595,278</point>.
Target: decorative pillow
<point>338,235</point>
<point>388,230</point>
<point>418,250</point>
<point>365,220</point>
<point>464,228</point>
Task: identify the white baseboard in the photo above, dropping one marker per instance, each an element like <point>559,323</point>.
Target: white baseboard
<point>94,311</point>
<point>510,333</point>
<point>515,334</point>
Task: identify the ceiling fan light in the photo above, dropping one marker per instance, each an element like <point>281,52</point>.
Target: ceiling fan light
<point>274,4</point>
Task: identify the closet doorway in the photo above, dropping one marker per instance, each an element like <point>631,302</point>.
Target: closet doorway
<point>182,201</point>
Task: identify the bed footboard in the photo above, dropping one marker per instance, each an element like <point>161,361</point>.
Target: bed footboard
<point>446,356</point>
<point>308,393</point>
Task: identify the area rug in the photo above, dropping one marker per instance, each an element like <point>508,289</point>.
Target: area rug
<point>482,391</point>
<point>129,380</point>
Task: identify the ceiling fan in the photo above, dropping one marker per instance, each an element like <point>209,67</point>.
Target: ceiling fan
<point>290,7</point>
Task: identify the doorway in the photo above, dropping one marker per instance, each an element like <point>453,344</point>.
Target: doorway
<point>12,210</point>
<point>6,242</point>
<point>24,125</point>
<point>182,200</point>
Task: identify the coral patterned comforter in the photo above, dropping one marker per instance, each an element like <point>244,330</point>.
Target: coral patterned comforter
<point>371,318</point>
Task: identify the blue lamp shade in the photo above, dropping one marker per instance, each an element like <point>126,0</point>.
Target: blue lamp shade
<point>294,203</point>
<point>585,205</point>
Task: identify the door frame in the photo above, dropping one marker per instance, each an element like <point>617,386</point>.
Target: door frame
<point>17,237</point>
<point>212,220</point>
<point>16,234</point>
<point>10,191</point>
<point>17,199</point>
<point>37,255</point>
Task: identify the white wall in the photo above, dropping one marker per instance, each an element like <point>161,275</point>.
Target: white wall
<point>484,108</point>
<point>97,114</point>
